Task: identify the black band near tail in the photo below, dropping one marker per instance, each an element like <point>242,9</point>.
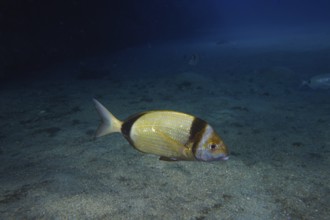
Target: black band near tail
<point>127,126</point>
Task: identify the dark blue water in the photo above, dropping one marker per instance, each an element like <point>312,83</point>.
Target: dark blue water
<point>38,34</point>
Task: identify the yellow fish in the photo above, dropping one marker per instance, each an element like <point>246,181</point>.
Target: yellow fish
<point>169,134</point>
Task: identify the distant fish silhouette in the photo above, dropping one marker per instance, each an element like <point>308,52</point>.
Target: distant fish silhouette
<point>318,82</point>
<point>194,59</point>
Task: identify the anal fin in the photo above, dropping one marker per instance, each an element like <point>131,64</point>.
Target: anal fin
<point>167,159</point>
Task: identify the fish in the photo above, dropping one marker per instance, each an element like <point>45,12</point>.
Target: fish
<point>318,82</point>
<point>172,135</point>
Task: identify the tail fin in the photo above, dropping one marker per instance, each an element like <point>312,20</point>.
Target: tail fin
<point>109,123</point>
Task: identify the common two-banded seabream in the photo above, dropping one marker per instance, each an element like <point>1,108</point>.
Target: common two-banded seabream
<point>169,134</point>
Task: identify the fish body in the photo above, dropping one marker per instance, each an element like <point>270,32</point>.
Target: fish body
<point>318,82</point>
<point>169,134</point>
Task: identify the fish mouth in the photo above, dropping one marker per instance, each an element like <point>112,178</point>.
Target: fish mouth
<point>221,157</point>
<point>206,155</point>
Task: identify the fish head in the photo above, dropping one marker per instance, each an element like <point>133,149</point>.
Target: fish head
<point>211,147</point>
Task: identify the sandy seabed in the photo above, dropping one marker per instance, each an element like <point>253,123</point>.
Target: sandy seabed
<point>278,134</point>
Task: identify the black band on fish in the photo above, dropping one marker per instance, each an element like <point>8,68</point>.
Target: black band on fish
<point>127,125</point>
<point>196,132</point>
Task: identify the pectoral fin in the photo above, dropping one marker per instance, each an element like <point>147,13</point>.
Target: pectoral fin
<point>175,146</point>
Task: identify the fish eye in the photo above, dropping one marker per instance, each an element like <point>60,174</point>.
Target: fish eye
<point>213,146</point>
